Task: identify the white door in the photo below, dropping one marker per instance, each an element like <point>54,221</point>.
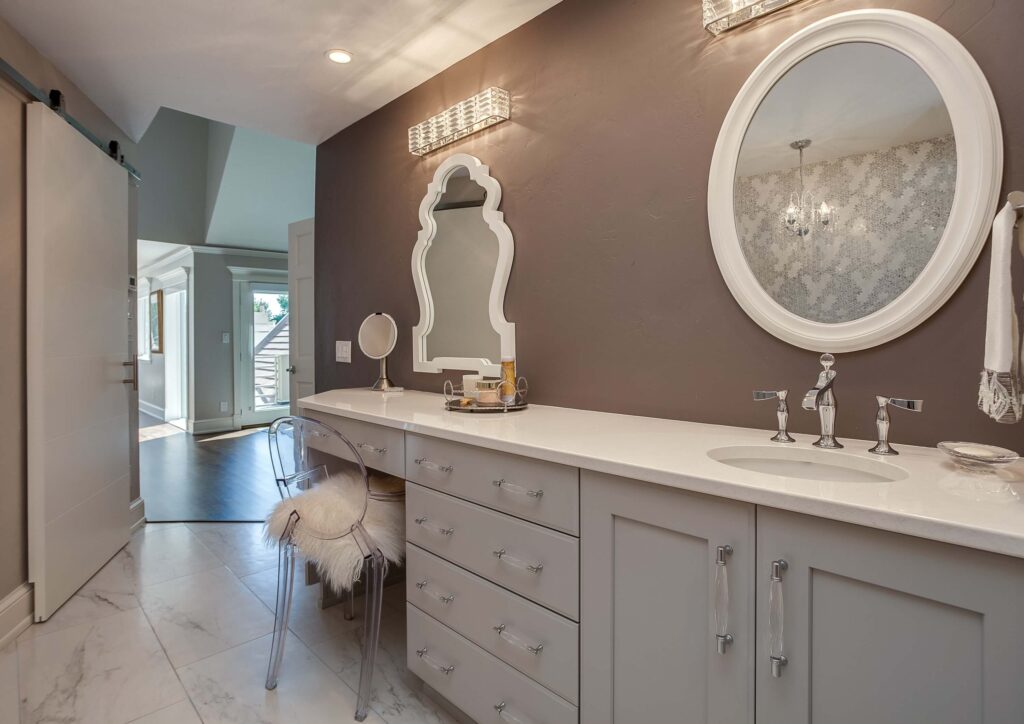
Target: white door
<point>78,269</point>
<point>300,310</point>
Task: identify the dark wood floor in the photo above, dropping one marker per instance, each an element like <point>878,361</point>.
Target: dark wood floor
<point>220,477</point>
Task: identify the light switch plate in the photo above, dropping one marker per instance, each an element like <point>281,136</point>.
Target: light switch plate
<point>223,406</point>
<point>343,351</point>
<point>225,337</point>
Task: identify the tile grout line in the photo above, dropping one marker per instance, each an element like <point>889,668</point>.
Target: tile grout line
<point>188,696</point>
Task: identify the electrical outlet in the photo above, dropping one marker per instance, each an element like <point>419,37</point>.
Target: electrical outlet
<point>223,406</point>
<point>225,337</point>
<point>343,351</point>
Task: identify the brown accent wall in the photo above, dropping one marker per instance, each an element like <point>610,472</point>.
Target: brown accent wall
<point>16,51</point>
<point>615,292</point>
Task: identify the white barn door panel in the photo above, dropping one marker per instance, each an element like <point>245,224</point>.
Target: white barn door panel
<point>300,311</point>
<point>78,268</point>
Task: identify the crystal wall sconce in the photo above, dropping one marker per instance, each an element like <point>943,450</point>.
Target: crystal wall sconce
<point>485,109</point>
<point>722,15</point>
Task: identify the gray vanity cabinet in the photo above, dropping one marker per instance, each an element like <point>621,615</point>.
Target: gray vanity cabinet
<point>648,649</point>
<point>886,628</point>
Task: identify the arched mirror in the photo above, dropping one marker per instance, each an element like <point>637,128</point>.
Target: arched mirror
<point>854,180</point>
<point>460,266</point>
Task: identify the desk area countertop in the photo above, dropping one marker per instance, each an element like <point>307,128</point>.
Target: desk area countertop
<point>935,500</point>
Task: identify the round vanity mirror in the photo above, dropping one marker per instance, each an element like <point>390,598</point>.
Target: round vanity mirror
<point>854,180</point>
<point>377,337</point>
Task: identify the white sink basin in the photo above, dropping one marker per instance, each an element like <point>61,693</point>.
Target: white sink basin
<point>808,464</point>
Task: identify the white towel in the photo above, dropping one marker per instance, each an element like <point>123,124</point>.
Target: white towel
<point>999,396</point>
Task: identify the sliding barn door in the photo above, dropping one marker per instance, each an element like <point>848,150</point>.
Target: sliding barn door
<point>300,311</point>
<point>78,258</point>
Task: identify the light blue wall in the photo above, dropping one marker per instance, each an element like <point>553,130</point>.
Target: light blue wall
<point>206,182</point>
<point>267,183</point>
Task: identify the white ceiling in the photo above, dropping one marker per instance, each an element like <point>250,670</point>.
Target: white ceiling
<point>848,99</point>
<point>258,63</point>
<point>152,251</point>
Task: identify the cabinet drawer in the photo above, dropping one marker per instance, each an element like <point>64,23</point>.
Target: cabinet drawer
<point>539,563</point>
<point>476,609</point>
<point>543,492</point>
<point>382,448</point>
<point>475,681</point>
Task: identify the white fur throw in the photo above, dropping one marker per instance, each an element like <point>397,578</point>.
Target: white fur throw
<point>330,509</point>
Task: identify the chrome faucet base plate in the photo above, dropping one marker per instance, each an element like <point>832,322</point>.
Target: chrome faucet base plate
<point>883,449</point>
<point>782,436</point>
<point>828,444</point>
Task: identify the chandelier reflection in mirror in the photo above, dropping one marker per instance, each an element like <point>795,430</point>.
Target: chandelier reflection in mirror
<point>804,214</point>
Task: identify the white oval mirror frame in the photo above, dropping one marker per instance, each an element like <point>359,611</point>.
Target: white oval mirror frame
<point>979,156</point>
<point>495,219</point>
<point>378,335</point>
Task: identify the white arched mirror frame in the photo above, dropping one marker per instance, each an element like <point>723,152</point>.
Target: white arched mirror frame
<point>979,155</point>
<point>495,220</point>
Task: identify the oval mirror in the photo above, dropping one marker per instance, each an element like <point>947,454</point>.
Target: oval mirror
<point>854,180</point>
<point>377,335</point>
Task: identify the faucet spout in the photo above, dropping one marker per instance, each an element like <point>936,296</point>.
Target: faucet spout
<point>822,398</point>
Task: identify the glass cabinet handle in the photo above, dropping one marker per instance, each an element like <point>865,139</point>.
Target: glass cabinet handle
<point>505,715</point>
<point>422,520</point>
<point>434,663</point>
<point>431,465</point>
<point>444,598</point>
<point>722,636</point>
<point>519,563</point>
<point>776,648</point>
<point>372,448</point>
<point>516,641</point>
<point>517,489</point>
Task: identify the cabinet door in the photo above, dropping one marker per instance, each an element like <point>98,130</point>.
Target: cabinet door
<point>887,629</point>
<point>648,646</point>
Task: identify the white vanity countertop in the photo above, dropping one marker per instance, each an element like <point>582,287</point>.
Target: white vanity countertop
<point>935,500</point>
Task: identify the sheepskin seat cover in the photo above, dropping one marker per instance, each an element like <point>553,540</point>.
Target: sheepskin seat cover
<point>331,508</point>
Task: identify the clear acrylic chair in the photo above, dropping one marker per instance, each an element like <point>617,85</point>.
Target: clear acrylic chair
<point>294,472</point>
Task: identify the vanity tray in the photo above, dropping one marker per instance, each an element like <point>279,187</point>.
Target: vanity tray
<point>454,400</point>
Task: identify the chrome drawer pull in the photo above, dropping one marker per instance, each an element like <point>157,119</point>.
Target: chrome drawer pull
<point>436,467</point>
<point>501,555</point>
<point>776,648</point>
<point>722,635</point>
<point>372,448</point>
<point>434,663</point>
<point>425,586</point>
<point>511,638</point>
<point>517,489</point>
<point>505,715</point>
<point>443,531</point>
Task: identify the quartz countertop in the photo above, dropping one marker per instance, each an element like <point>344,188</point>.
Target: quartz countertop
<point>935,500</point>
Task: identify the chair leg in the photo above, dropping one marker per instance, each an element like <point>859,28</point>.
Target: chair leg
<point>374,598</point>
<point>285,585</point>
<point>349,612</point>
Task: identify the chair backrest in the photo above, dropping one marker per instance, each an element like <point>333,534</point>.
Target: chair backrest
<point>294,469</point>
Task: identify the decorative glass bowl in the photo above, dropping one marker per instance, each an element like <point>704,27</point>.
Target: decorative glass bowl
<point>977,458</point>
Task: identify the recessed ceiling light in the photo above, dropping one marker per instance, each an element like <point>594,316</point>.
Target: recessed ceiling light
<point>337,55</point>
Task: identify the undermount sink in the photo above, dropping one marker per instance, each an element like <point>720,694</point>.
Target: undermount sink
<point>808,464</point>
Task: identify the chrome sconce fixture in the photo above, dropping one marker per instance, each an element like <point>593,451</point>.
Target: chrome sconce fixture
<point>722,15</point>
<point>485,109</point>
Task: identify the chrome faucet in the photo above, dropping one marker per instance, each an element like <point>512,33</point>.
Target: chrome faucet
<point>781,411</point>
<point>882,421</point>
<point>823,399</point>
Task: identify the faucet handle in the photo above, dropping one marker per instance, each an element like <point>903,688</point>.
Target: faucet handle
<point>781,411</point>
<point>827,360</point>
<point>882,447</point>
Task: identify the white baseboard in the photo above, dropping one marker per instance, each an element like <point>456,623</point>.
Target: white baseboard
<point>150,409</point>
<point>15,613</point>
<point>214,424</point>
<point>137,514</point>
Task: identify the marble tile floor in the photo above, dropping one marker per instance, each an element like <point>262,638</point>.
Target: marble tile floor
<point>175,630</point>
